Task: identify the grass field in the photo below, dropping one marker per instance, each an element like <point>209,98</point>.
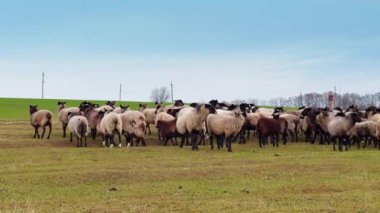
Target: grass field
<point>18,108</point>
<point>55,176</point>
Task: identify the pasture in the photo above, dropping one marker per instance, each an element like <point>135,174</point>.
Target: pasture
<point>54,175</point>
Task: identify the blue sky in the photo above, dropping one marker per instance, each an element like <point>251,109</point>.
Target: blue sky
<point>209,49</point>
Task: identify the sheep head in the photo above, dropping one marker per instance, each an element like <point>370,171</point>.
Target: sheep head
<point>33,109</point>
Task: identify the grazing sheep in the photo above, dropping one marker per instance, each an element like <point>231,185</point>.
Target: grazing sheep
<point>339,128</point>
<point>134,126</point>
<point>163,116</point>
<point>150,114</point>
<point>272,127</point>
<point>309,124</point>
<point>363,131</point>
<point>265,112</point>
<point>63,113</point>
<point>224,126</point>
<point>293,123</point>
<point>109,125</point>
<point>251,122</point>
<point>40,118</point>
<point>372,114</point>
<point>91,113</point>
<point>191,122</point>
<point>121,109</point>
<point>78,125</point>
<point>168,130</point>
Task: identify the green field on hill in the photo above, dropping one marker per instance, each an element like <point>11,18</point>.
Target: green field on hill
<point>18,108</point>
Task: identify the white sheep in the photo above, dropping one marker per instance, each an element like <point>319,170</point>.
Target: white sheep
<point>121,109</point>
<point>191,122</point>
<point>363,130</point>
<point>109,125</point>
<point>151,113</point>
<point>63,114</point>
<point>40,118</point>
<point>293,123</point>
<point>339,128</point>
<point>224,126</point>
<point>133,127</point>
<point>265,112</point>
<point>78,126</point>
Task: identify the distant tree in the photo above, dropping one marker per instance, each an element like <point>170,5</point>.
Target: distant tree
<point>161,94</point>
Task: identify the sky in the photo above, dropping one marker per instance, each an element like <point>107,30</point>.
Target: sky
<point>209,49</point>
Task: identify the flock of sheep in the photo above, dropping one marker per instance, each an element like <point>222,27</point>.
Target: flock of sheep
<point>214,120</point>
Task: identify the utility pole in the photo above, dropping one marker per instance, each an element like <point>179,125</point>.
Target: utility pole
<point>43,84</point>
<point>171,86</point>
<point>120,93</point>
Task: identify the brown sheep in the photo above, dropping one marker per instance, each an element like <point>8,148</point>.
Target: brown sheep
<point>40,118</point>
<point>272,127</point>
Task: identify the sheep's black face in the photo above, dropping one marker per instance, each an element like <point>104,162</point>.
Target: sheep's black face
<point>210,108</point>
<point>355,117</point>
<point>232,107</point>
<point>61,103</point>
<point>276,116</point>
<point>32,109</point>
<point>305,112</point>
<point>279,109</point>
<point>194,105</point>
<point>179,103</point>
<point>213,102</point>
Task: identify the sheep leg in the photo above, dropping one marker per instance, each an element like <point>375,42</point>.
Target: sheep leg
<point>93,134</point>
<point>36,132</point>
<point>143,141</point>
<point>316,133</point>
<point>78,141</point>
<point>182,141</point>
<point>220,141</point>
<point>284,137</point>
<point>333,139</point>
<point>229,143</point>
<point>43,132</point>
<point>192,142</point>
<point>173,142</point>
<point>49,125</point>
<point>212,141</point>
<point>85,141</point>
<point>260,140</point>
<point>119,137</point>
<point>366,141</point>
<point>291,133</point>
<point>277,139</point>
<point>340,144</point>
<point>64,126</point>
<point>148,127</point>
<point>71,137</point>
<point>194,138</point>
<point>348,142</point>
